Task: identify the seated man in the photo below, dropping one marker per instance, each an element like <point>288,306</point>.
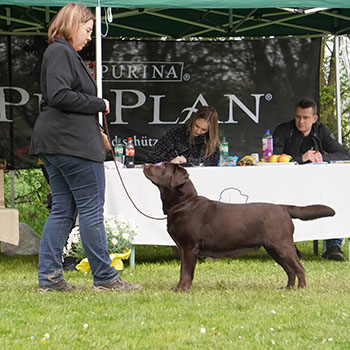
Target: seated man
<point>307,140</point>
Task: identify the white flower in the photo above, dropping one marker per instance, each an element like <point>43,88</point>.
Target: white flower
<point>203,330</point>
<point>273,311</point>
<point>85,326</point>
<point>75,230</point>
<point>120,234</point>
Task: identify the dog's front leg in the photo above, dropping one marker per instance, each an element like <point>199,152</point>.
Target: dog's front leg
<point>188,257</point>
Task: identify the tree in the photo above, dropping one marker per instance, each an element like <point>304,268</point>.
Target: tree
<point>31,189</point>
<point>328,106</point>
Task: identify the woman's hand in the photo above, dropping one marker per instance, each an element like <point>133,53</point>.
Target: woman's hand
<point>107,106</point>
<point>179,160</point>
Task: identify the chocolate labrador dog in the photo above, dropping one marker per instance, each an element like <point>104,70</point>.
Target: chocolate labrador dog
<point>203,227</point>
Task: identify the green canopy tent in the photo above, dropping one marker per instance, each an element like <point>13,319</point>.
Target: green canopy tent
<point>188,19</point>
<point>204,18</point>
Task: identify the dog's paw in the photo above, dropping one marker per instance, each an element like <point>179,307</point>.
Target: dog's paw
<point>179,290</point>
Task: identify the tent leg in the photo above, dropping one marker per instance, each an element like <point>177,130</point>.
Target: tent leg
<point>337,84</point>
<point>98,49</point>
<point>12,177</point>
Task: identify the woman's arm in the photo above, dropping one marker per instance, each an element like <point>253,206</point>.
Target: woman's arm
<point>65,86</point>
<point>212,160</point>
<point>165,149</point>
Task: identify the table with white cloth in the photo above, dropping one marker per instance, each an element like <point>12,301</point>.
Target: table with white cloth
<point>280,183</point>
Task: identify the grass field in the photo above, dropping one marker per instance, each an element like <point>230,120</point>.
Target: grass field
<point>233,304</point>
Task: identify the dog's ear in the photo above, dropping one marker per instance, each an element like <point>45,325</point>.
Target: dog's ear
<point>179,177</point>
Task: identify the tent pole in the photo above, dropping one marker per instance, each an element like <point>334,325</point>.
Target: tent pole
<point>12,184</point>
<point>12,155</point>
<point>337,85</point>
<point>98,50</point>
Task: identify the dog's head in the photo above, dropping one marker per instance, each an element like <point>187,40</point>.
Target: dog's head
<point>166,175</point>
<point>172,181</point>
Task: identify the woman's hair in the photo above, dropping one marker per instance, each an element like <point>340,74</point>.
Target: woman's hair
<point>68,20</point>
<point>210,115</point>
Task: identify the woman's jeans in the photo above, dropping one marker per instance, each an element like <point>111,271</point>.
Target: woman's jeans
<point>77,186</point>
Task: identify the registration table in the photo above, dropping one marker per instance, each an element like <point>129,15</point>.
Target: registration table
<point>275,183</point>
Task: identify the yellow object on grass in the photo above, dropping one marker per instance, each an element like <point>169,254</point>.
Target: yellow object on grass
<point>117,261</point>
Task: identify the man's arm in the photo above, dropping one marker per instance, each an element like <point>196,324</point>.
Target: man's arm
<point>333,149</point>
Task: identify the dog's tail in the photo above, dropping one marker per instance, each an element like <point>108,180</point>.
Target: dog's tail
<point>310,212</point>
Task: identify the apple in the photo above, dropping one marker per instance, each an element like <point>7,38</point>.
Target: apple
<point>284,158</point>
<point>274,158</point>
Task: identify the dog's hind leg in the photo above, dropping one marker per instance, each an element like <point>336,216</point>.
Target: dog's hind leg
<point>286,256</point>
<point>188,263</point>
<point>289,271</point>
<point>294,262</point>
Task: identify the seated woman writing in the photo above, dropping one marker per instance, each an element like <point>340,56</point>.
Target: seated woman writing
<point>194,143</point>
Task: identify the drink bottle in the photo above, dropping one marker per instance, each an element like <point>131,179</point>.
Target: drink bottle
<point>130,154</point>
<point>118,150</point>
<point>223,152</point>
<point>267,146</point>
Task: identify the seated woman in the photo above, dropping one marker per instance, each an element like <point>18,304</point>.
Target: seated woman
<point>194,143</point>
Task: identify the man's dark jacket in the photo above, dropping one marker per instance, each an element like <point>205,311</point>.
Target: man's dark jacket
<point>288,139</point>
<point>68,123</point>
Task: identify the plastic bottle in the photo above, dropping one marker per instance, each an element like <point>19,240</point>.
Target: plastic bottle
<point>118,150</point>
<point>267,145</point>
<point>130,154</point>
<point>223,152</point>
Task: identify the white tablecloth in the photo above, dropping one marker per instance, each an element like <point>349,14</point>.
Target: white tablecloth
<point>285,184</point>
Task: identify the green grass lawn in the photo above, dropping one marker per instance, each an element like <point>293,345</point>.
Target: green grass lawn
<point>233,304</point>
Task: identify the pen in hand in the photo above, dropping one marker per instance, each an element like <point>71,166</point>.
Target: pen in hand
<point>178,159</point>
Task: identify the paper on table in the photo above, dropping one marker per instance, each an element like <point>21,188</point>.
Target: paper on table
<point>275,163</point>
